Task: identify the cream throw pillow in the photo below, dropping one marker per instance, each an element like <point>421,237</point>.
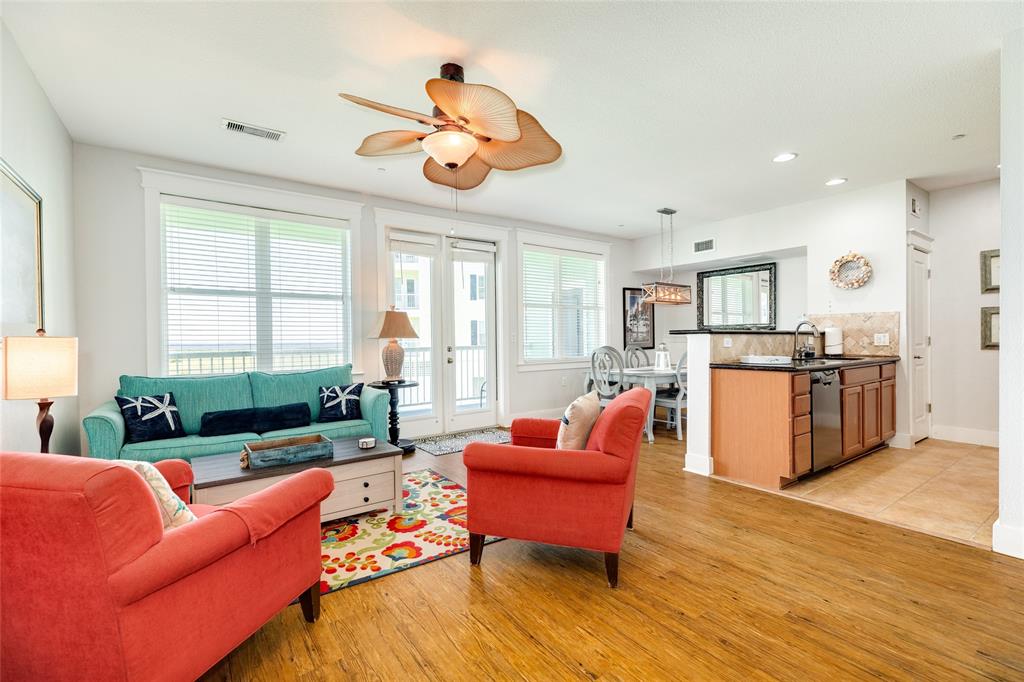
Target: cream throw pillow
<point>173,511</point>
<point>577,422</point>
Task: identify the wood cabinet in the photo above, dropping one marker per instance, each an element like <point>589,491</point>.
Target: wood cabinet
<point>762,423</point>
<point>852,408</point>
<point>868,398</point>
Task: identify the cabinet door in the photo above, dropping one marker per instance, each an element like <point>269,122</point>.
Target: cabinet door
<point>871,416</point>
<point>852,405</point>
<point>888,409</point>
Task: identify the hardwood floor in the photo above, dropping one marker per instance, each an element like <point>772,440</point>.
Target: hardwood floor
<point>716,581</point>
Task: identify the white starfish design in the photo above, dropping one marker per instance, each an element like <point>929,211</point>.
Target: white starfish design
<point>136,403</point>
<point>165,408</point>
<point>339,396</point>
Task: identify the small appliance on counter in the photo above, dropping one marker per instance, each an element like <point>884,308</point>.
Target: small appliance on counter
<point>833,341</point>
<point>662,358</point>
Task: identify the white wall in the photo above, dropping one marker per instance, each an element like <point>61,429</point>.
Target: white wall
<point>1008,530</point>
<point>109,219</point>
<point>965,379</point>
<point>35,143</point>
<point>871,221</point>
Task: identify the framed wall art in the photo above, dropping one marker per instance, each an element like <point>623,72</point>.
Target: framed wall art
<point>637,319</point>
<point>990,271</point>
<point>22,236</point>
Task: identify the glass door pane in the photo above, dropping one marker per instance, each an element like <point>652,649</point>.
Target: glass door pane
<point>470,344</point>
<point>411,284</point>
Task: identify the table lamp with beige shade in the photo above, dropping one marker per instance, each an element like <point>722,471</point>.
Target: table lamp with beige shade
<point>395,325</point>
<point>40,368</point>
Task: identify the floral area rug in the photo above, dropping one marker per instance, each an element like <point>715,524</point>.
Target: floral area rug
<point>431,525</point>
<point>457,442</point>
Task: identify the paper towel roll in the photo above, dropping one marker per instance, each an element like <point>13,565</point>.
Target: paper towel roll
<point>833,341</point>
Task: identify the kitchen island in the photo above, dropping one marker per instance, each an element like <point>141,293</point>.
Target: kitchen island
<point>763,429</point>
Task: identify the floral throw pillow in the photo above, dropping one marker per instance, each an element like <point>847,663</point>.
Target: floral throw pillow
<point>340,403</point>
<point>150,417</point>
<point>173,510</point>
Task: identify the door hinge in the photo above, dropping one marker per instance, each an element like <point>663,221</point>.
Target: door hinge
<point>929,340</point>
<point>929,273</point>
<point>929,408</point>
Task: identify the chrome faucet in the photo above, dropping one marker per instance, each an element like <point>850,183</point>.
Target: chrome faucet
<point>806,351</point>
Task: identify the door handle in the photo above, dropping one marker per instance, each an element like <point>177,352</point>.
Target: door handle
<point>451,361</point>
<point>449,349</point>
<point>919,357</point>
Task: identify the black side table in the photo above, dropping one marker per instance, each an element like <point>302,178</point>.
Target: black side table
<point>407,446</point>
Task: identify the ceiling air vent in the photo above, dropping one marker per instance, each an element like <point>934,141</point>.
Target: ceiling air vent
<point>255,131</point>
<point>704,245</point>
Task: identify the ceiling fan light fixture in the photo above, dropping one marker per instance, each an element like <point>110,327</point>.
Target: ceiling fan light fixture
<point>450,148</point>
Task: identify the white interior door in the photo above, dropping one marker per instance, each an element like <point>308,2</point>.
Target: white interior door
<point>447,288</point>
<point>920,345</point>
<point>470,358</point>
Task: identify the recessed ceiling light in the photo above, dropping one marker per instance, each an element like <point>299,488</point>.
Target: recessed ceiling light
<point>834,181</point>
<point>784,157</point>
<point>382,170</point>
<point>621,225</point>
<point>959,136</point>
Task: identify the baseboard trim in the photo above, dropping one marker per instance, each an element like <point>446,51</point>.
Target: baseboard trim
<point>904,441</point>
<point>550,413</point>
<point>1008,539</point>
<point>960,434</point>
<point>697,463</point>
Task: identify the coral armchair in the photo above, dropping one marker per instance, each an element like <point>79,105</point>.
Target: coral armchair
<point>577,498</point>
<point>94,588</point>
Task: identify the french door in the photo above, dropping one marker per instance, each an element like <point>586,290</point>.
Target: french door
<point>447,287</point>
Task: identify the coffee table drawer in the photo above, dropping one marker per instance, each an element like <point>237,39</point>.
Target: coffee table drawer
<point>359,492</point>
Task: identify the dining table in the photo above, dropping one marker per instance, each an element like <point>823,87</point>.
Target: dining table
<point>649,377</point>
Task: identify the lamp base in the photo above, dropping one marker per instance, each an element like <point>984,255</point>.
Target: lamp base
<point>393,356</point>
<point>44,422</point>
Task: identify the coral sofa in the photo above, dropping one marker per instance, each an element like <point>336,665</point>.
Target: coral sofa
<point>93,587</point>
<point>577,498</point>
<point>195,395</point>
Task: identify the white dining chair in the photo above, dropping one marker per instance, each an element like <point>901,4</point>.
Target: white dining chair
<point>637,357</point>
<point>606,373</point>
<point>674,399</point>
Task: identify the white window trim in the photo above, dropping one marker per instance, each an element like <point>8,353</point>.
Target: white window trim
<point>156,182</point>
<point>527,238</point>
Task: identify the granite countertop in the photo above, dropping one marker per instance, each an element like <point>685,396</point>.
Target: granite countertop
<point>815,365</point>
<point>737,331</point>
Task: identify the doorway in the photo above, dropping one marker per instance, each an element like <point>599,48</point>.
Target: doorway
<point>920,345</point>
<point>447,286</point>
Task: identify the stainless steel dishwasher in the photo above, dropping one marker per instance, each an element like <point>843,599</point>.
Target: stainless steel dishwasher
<point>826,420</point>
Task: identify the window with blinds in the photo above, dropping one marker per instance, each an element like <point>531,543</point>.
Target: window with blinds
<point>563,300</point>
<point>252,289</point>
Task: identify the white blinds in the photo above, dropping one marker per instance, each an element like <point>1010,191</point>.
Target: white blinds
<point>247,289</point>
<point>563,294</point>
<point>732,299</point>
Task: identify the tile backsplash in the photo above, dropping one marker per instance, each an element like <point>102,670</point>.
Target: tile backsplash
<point>859,331</point>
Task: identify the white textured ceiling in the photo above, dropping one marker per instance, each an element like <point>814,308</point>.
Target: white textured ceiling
<point>655,104</point>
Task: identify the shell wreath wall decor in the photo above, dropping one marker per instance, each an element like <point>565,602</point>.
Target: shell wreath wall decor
<point>851,271</point>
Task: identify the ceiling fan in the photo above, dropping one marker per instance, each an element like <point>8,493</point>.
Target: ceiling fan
<point>477,128</point>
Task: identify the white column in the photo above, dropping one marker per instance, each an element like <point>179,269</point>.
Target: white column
<point>1008,531</point>
<point>698,404</point>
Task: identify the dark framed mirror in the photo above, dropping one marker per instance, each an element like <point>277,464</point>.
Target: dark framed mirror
<point>737,298</point>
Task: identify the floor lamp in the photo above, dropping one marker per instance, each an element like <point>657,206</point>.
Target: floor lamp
<point>40,368</point>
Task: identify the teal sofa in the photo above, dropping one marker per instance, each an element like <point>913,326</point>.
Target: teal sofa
<point>196,395</point>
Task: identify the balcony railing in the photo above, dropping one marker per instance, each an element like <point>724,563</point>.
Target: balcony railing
<point>471,390</point>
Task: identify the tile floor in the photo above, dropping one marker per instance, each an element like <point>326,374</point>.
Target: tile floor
<point>940,487</point>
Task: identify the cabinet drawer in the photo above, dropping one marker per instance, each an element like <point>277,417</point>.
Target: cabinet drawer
<point>859,375</point>
<point>801,425</point>
<point>801,405</point>
<point>888,371</point>
<point>801,383</point>
<point>357,492</point>
<point>802,454</point>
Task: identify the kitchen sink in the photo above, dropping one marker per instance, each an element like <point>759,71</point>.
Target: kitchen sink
<point>766,360</point>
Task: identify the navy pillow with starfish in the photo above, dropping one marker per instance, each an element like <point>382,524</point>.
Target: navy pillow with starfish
<point>340,403</point>
<point>150,417</point>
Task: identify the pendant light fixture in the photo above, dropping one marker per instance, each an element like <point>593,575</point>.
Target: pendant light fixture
<point>666,291</point>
